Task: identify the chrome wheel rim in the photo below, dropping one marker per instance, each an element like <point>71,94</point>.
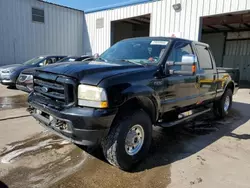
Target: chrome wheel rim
<point>134,140</point>
<point>227,104</point>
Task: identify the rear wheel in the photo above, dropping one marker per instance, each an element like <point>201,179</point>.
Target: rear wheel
<point>223,106</point>
<point>129,140</point>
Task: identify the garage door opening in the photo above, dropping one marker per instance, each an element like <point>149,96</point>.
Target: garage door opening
<point>229,38</point>
<point>129,28</point>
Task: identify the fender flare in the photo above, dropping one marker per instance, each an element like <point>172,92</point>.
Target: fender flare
<point>142,93</point>
<point>227,83</point>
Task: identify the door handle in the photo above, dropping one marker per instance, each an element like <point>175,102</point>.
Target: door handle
<point>197,79</point>
<point>214,78</point>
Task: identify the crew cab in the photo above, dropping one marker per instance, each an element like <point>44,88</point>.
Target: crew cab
<point>136,84</point>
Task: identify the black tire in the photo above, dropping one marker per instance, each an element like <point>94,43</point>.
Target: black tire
<point>219,110</point>
<point>114,144</point>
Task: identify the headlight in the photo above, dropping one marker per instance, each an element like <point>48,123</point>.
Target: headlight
<point>92,96</point>
<point>7,71</point>
<point>29,77</point>
<point>25,78</point>
<point>10,70</point>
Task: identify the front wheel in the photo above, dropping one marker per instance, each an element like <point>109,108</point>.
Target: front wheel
<point>223,106</point>
<point>129,140</point>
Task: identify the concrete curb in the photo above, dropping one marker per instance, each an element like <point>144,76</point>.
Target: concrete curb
<point>13,114</point>
<point>15,117</point>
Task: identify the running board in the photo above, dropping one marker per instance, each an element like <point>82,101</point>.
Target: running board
<point>173,123</point>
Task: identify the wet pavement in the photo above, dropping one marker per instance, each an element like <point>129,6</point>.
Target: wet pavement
<point>46,160</point>
<point>39,161</point>
<point>201,153</point>
<point>12,102</point>
<point>169,146</point>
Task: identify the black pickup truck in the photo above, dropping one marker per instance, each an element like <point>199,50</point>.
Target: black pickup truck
<point>116,99</point>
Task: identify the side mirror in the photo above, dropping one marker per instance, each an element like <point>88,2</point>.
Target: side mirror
<point>187,66</point>
<point>96,55</point>
<point>189,58</point>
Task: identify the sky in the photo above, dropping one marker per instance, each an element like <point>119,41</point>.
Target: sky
<point>89,4</point>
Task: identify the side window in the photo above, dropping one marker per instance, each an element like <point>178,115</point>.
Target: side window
<point>49,61</point>
<point>59,58</point>
<point>178,51</point>
<point>53,59</point>
<point>42,63</point>
<point>204,57</point>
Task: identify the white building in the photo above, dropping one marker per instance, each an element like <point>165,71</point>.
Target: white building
<point>224,24</point>
<point>31,28</point>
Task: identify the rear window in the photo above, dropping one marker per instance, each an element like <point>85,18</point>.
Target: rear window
<point>204,57</point>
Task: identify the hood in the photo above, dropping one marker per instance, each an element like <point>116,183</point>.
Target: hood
<point>90,72</point>
<point>29,71</point>
<point>12,66</point>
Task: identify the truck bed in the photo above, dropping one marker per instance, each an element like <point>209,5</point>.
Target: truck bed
<point>233,72</point>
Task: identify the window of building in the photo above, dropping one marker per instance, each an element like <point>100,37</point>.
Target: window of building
<point>37,15</point>
<point>204,57</point>
<point>99,23</point>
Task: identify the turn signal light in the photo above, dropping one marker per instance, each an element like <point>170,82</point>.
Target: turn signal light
<point>193,68</point>
<point>104,104</point>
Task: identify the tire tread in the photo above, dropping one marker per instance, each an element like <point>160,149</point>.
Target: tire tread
<point>109,143</point>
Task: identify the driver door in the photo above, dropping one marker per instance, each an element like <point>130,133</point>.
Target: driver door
<point>179,90</point>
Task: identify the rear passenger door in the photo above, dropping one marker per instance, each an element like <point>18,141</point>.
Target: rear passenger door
<point>207,74</point>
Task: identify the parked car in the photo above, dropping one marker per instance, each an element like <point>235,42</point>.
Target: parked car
<point>10,73</point>
<point>137,83</point>
<point>25,79</point>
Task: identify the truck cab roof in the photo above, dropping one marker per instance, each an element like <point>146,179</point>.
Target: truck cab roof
<point>173,39</point>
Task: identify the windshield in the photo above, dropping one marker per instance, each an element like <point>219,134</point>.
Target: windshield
<point>34,61</point>
<point>137,51</point>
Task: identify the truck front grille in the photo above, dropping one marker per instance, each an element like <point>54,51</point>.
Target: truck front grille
<point>54,90</point>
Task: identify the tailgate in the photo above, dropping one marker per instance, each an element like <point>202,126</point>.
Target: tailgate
<point>233,72</point>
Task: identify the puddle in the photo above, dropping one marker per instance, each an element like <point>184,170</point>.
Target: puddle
<point>154,171</point>
<point>12,102</point>
<point>46,144</point>
<point>169,145</point>
<point>202,127</point>
<point>97,173</point>
<point>31,146</point>
<point>39,161</point>
<point>208,124</point>
<point>44,161</point>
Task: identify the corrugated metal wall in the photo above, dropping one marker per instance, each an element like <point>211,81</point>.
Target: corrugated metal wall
<point>22,39</point>
<point>164,19</point>
<point>237,55</point>
<point>216,42</point>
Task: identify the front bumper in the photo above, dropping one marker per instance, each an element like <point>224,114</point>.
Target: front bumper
<point>23,88</point>
<point>8,79</point>
<point>24,84</point>
<point>84,126</point>
<point>7,82</point>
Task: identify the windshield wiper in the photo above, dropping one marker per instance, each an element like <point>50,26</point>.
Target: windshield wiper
<point>124,60</point>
